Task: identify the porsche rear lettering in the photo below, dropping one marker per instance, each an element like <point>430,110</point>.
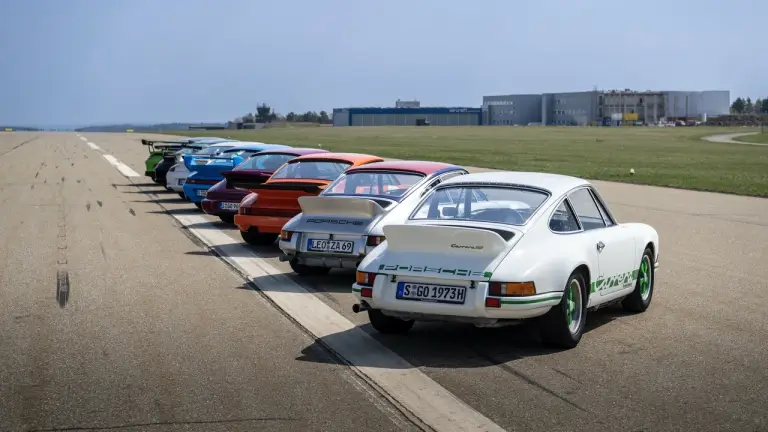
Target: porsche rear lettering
<point>335,221</point>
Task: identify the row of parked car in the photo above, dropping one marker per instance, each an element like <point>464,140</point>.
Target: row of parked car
<point>429,240</point>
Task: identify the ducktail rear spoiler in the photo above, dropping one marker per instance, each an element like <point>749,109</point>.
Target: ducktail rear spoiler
<point>298,186</point>
<point>242,180</point>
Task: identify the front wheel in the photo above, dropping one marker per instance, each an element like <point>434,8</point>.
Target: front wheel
<point>305,270</point>
<point>387,324</point>
<point>564,324</point>
<point>258,239</point>
<point>182,196</point>
<point>199,206</point>
<point>640,298</point>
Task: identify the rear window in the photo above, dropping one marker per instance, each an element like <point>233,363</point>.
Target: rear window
<point>315,170</point>
<point>503,205</point>
<point>385,184</point>
<point>267,162</point>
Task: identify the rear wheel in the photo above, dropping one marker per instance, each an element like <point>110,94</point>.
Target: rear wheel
<point>228,218</point>
<point>258,239</point>
<point>640,298</point>
<point>305,270</point>
<point>387,324</point>
<point>564,324</point>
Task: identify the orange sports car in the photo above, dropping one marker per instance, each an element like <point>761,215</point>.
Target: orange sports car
<point>271,204</point>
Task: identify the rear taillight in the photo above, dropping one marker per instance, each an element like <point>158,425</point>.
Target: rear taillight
<point>510,289</point>
<point>375,240</point>
<point>366,279</point>
<point>244,211</point>
<point>285,235</point>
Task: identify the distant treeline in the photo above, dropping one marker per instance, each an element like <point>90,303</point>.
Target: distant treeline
<point>18,128</point>
<point>142,127</point>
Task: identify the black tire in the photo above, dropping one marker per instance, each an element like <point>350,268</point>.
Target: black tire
<point>199,205</point>
<point>639,300</point>
<point>227,218</point>
<point>305,270</point>
<point>258,239</point>
<point>387,324</point>
<point>556,325</point>
<point>182,196</point>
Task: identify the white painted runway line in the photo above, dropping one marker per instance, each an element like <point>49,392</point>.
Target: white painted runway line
<point>84,138</point>
<point>123,168</point>
<point>93,146</point>
<point>399,380</point>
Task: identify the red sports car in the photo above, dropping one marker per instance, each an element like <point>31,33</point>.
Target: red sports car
<point>223,200</point>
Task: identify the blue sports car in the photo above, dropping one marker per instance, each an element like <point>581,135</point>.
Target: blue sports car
<point>205,171</point>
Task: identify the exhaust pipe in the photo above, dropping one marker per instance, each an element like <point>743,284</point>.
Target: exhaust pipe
<point>362,307</point>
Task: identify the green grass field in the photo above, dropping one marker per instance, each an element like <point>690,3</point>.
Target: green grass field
<point>672,157</point>
<point>761,138</point>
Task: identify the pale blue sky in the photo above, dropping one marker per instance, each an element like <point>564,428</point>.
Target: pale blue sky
<point>97,61</point>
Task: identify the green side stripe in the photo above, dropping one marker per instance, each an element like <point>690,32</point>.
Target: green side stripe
<point>356,290</point>
<point>529,301</point>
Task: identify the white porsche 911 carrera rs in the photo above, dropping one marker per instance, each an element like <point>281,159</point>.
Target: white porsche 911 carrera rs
<point>497,248</point>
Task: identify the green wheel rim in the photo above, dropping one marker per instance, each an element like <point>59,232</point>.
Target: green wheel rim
<point>573,306</point>
<point>645,278</point>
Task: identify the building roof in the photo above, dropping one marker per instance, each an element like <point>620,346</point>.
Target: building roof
<point>423,167</point>
<point>556,184</point>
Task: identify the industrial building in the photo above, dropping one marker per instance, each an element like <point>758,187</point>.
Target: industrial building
<point>407,116</point>
<point>603,107</point>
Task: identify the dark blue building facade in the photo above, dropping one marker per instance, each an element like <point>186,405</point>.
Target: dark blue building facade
<point>438,116</point>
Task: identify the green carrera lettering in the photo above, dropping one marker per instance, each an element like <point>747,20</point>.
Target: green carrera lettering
<point>433,270</point>
<point>603,284</point>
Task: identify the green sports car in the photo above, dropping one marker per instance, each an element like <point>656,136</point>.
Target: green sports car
<point>158,148</point>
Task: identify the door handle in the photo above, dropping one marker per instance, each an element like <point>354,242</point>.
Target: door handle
<point>600,246</point>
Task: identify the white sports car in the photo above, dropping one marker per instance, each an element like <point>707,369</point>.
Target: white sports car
<point>337,228</point>
<point>500,247</point>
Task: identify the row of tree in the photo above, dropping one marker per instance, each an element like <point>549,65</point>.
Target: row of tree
<point>747,106</point>
<point>266,114</point>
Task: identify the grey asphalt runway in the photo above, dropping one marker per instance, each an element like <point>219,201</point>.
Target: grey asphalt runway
<point>112,319</point>
<point>183,343</point>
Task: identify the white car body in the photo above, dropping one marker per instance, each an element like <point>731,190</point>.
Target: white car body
<point>178,173</point>
<point>467,256</point>
<point>349,225</point>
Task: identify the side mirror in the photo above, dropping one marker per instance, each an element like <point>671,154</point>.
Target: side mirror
<point>449,211</point>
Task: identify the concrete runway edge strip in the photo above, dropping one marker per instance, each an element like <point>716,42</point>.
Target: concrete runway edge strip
<point>419,394</point>
<point>409,387</point>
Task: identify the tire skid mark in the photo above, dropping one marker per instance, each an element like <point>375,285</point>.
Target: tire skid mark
<point>19,145</point>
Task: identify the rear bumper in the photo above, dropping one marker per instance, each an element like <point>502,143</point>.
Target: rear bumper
<point>292,251</point>
<point>213,207</point>
<point>264,224</point>
<point>191,191</point>
<point>472,311</point>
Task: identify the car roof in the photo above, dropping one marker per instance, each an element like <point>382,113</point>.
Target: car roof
<point>225,143</point>
<point>556,184</point>
<point>353,158</point>
<point>422,167</point>
<point>298,151</point>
